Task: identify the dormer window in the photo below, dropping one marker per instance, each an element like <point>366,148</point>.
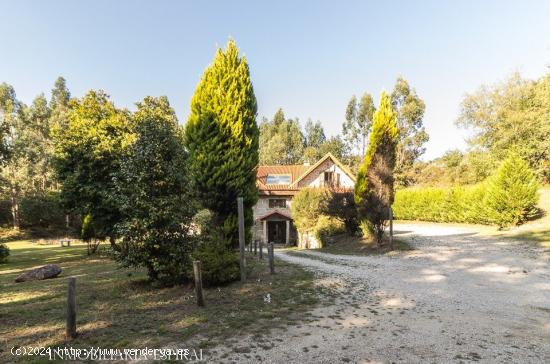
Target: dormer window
<point>278,179</point>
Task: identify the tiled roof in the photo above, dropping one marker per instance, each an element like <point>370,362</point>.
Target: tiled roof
<point>295,171</point>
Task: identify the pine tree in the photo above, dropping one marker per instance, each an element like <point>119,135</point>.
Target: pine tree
<point>221,136</point>
<point>374,185</point>
<point>512,192</point>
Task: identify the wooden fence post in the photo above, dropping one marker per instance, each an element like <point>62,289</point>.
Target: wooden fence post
<point>271,257</point>
<point>261,256</point>
<point>241,238</point>
<point>197,270</point>
<point>70,332</point>
<point>391,228</point>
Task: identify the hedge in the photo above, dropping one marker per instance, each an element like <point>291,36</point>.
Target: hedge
<point>506,198</point>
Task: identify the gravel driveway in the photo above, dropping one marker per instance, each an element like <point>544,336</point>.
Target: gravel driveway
<point>459,297</point>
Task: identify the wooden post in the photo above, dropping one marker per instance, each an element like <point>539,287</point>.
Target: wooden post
<point>241,238</point>
<point>287,237</point>
<point>271,257</point>
<point>391,228</point>
<point>255,247</point>
<point>70,332</point>
<point>261,256</point>
<point>197,266</point>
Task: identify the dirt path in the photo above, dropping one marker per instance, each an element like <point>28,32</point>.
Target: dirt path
<point>459,297</point>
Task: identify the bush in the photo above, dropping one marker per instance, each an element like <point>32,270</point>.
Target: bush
<point>327,226</point>
<point>506,198</point>
<point>308,205</point>
<point>342,206</point>
<point>512,193</point>
<point>220,263</point>
<point>4,253</point>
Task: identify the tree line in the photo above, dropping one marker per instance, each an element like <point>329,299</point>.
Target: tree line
<point>283,141</point>
<point>162,194</point>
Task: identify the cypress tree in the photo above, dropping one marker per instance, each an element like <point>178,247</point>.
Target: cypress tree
<point>374,185</point>
<point>512,192</point>
<point>221,136</point>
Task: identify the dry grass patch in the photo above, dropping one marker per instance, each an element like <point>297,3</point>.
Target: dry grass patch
<point>118,308</point>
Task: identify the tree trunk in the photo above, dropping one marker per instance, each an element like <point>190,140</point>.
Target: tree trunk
<point>14,209</point>
<point>115,247</point>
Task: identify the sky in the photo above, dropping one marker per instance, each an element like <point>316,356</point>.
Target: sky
<point>308,57</point>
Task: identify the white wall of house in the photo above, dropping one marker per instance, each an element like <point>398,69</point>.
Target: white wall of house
<point>345,180</point>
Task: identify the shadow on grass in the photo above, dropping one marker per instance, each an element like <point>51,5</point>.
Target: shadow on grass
<point>118,308</point>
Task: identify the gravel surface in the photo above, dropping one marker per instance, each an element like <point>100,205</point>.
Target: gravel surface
<point>459,296</point>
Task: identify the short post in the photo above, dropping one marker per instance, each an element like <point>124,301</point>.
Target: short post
<point>197,266</point>
<point>271,257</point>
<point>255,247</point>
<point>391,228</point>
<point>70,332</point>
<point>241,238</point>
<point>261,256</point>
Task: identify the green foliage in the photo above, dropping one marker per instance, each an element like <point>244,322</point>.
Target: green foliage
<point>454,168</point>
<point>154,196</point>
<point>512,116</point>
<point>221,136</point>
<point>342,206</point>
<point>412,136</point>
<point>42,209</point>
<point>512,193</point>
<point>4,253</point>
<point>220,263</point>
<point>358,122</point>
<point>281,141</point>
<point>88,151</point>
<point>318,212</point>
<point>326,227</point>
<point>508,197</point>
<point>373,193</point>
<point>307,205</point>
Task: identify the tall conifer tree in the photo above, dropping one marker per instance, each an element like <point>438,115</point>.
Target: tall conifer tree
<point>221,136</point>
<point>374,184</point>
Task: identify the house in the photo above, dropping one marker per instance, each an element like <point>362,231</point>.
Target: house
<point>277,186</point>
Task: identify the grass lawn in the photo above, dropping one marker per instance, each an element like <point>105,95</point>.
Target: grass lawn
<point>118,308</point>
<point>355,245</point>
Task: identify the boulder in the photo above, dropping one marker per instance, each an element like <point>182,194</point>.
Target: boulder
<point>45,272</point>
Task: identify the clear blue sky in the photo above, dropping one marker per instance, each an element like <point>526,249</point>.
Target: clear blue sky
<point>308,57</point>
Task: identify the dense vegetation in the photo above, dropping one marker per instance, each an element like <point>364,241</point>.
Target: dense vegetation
<point>315,215</point>
<point>506,198</point>
<point>221,136</point>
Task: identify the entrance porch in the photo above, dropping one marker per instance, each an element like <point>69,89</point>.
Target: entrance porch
<point>277,227</point>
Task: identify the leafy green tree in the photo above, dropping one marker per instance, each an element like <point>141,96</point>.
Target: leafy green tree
<point>38,144</point>
<point>314,139</point>
<point>281,141</point>
<point>358,122</point>
<point>88,151</point>
<point>409,108</point>
<point>14,171</point>
<point>512,194</point>
<point>374,185</point>
<point>511,116</point>
<point>336,147</point>
<point>154,194</point>
<point>221,136</point>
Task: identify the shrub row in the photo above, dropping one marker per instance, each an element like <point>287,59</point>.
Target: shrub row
<point>506,198</point>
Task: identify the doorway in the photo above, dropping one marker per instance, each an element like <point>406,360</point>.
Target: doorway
<point>276,232</point>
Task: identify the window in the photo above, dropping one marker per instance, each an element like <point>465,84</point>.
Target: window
<point>277,203</point>
<point>278,179</point>
<point>331,179</point>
